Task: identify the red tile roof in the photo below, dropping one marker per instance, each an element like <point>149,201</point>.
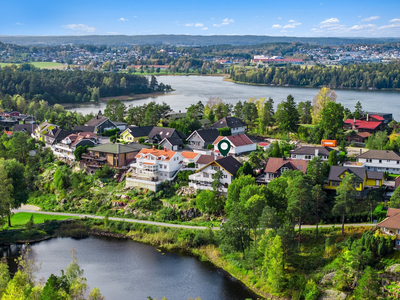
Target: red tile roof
<point>378,117</point>
<point>363,124</point>
<point>263,144</point>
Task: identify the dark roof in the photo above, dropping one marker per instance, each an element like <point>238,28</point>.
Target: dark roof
<point>275,163</point>
<point>235,140</point>
<point>85,128</point>
<point>118,123</point>
<point>96,121</point>
<point>375,175</point>
<point>26,127</point>
<point>59,134</point>
<point>336,171</point>
<point>207,135</point>
<point>119,148</point>
<point>173,141</point>
<point>230,164</point>
<point>311,151</point>
<point>230,122</point>
<point>164,132</point>
<point>205,159</point>
<point>140,130</point>
<point>380,154</point>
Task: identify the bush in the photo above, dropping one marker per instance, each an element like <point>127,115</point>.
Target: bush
<point>226,131</point>
<point>141,140</point>
<point>210,147</point>
<point>191,165</point>
<point>111,132</point>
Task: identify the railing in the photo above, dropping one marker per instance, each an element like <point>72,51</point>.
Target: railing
<point>143,177</point>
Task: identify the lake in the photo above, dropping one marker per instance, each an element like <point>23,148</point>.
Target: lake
<point>124,269</point>
<point>191,89</point>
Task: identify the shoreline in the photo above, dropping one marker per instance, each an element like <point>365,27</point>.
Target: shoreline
<point>310,87</point>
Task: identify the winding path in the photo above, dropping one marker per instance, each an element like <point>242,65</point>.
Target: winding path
<point>36,209</point>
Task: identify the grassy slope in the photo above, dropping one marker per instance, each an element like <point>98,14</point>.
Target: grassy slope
<point>41,65</point>
<point>20,219</point>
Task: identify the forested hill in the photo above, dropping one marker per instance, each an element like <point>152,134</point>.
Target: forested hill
<point>59,86</point>
<point>184,40</point>
<point>368,76</point>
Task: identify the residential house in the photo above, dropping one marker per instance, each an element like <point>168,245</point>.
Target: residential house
<point>308,153</point>
<point>101,124</point>
<point>368,124</point>
<point>8,124</point>
<point>190,157</point>
<point>264,145</point>
<point>27,128</point>
<point>364,178</point>
<point>358,138</point>
<point>9,114</point>
<point>120,125</point>
<point>276,166</point>
<point>56,135</point>
<point>239,144</point>
<point>201,138</point>
<point>380,160</point>
<point>152,167</point>
<point>167,137</point>
<point>202,178</point>
<point>175,116</point>
<point>391,225</point>
<point>115,155</point>
<point>42,129</point>
<point>236,125</point>
<point>386,118</point>
<point>203,160</point>
<point>134,133</point>
<point>66,148</point>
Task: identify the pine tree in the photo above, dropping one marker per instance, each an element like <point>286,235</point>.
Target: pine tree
<point>273,266</point>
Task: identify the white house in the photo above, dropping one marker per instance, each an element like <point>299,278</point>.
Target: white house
<point>380,160</point>
<point>66,148</point>
<point>239,144</point>
<point>153,167</point>
<point>308,153</point>
<point>203,178</point>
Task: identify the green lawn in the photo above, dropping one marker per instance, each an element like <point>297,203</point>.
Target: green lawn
<point>40,64</point>
<point>20,219</point>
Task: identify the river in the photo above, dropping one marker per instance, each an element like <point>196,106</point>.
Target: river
<point>191,89</point>
<point>124,269</point>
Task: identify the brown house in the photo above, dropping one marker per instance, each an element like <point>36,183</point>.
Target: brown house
<point>115,155</point>
<point>391,225</point>
<point>276,166</point>
<point>358,138</point>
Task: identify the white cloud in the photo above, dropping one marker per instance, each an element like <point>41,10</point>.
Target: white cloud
<point>79,27</point>
<point>225,21</point>
<point>329,22</point>
<point>199,25</point>
<point>276,26</point>
<point>296,24</point>
<point>390,26</point>
<point>289,26</point>
<point>216,25</point>
<point>292,21</point>
<point>189,24</point>
<point>228,20</point>
<point>204,28</point>
<point>122,19</point>
<point>279,18</point>
<point>394,20</point>
<point>19,24</point>
<point>194,24</point>
<point>360,27</point>
<point>373,18</point>
<point>316,30</point>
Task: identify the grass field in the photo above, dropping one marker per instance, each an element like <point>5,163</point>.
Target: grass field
<point>41,65</point>
<point>20,219</point>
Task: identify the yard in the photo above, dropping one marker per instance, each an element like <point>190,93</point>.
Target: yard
<point>19,220</point>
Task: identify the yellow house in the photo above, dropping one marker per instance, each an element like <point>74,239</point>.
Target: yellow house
<point>134,133</point>
<point>364,178</point>
<point>42,129</point>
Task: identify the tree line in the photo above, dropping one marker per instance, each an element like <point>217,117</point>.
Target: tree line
<point>376,76</point>
<point>58,86</point>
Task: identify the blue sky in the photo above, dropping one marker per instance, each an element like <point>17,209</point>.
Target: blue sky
<point>350,18</point>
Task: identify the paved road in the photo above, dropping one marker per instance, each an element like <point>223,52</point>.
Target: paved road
<point>34,209</point>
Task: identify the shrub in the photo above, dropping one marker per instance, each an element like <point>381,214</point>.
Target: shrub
<point>141,140</point>
<point>111,132</point>
<point>210,147</point>
<point>226,131</point>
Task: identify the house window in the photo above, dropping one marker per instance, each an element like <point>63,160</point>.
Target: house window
<point>165,166</point>
<point>205,174</point>
<point>225,176</point>
<point>398,162</point>
<point>398,231</point>
<point>380,161</point>
<point>388,160</point>
<point>397,242</point>
<point>294,155</point>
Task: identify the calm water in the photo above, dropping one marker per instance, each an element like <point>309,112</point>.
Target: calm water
<point>124,269</point>
<point>191,89</point>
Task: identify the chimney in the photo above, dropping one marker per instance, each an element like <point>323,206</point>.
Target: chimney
<point>316,152</point>
<point>165,148</point>
<point>367,117</point>
<point>154,148</point>
<point>179,111</point>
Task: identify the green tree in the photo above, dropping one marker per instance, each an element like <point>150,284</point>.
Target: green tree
<point>289,119</point>
<point>115,110</point>
<point>318,198</point>
<point>395,199</point>
<point>275,150</point>
<point>273,265</point>
<point>305,109</point>
<point>325,95</point>
<point>368,287</point>
<point>332,158</point>
<point>234,189</point>
<point>246,169</point>
<point>345,197</point>
<point>6,190</point>
<point>249,113</point>
<point>237,111</point>
<point>299,200</point>
<point>358,113</point>
<point>208,203</point>
<point>315,171</point>
<point>332,119</point>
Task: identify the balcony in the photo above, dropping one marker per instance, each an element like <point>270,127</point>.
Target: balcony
<point>199,177</point>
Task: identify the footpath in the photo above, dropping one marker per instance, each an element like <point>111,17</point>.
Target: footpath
<point>35,209</point>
